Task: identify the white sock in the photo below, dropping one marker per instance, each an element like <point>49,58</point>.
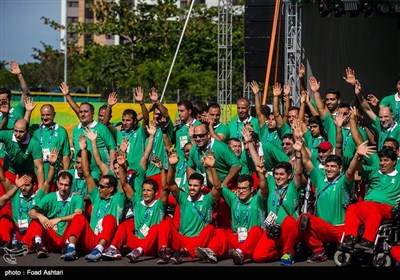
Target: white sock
<point>140,249</point>
<point>38,239</point>
<point>71,245</point>
<point>100,248</point>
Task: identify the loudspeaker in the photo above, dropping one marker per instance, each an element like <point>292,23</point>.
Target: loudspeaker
<point>259,16</point>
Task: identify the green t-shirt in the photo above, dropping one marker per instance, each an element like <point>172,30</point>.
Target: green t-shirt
<point>393,103</point>
<point>15,114</point>
<point>270,136</point>
<point>282,198</point>
<point>180,174</point>
<point>21,206</point>
<point>382,134</point>
<point>284,129</point>
<point>225,158</point>
<point>113,205</point>
<point>222,129</point>
<point>383,188</point>
<point>19,157</point>
<point>159,149</point>
<point>51,137</point>
<point>146,216</point>
<point>195,215</point>
<point>53,206</point>
<point>312,143</point>
<point>245,214</point>
<point>272,155</point>
<point>181,136</point>
<point>136,139</point>
<point>331,196</point>
<point>105,143</point>
<point>236,125</point>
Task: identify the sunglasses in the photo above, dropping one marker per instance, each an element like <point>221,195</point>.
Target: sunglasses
<point>100,186</point>
<point>199,135</point>
<point>243,189</point>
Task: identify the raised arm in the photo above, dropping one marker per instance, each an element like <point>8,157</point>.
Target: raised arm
<point>90,183</point>
<point>208,162</point>
<point>339,119</point>
<point>164,187</point>
<point>151,130</point>
<point>10,193</point>
<point>157,104</point>
<point>355,133</point>
<point>298,174</point>
<point>92,136</point>
<point>261,172</point>
<point>305,157</point>
<point>362,150</point>
<point>5,110</point>
<point>65,90</point>
<point>111,101</point>
<point>277,91</point>
<point>123,179</point>
<point>314,86</point>
<point>173,160</point>
<point>29,106</point>
<point>256,91</point>
<point>139,97</point>
<point>17,71</point>
<point>287,100</point>
<point>364,104</point>
<point>50,176</point>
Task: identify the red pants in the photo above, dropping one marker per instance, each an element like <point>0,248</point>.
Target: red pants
<point>87,239</point>
<point>269,249</point>
<point>125,236</point>
<point>395,252</point>
<point>169,236</point>
<point>319,231</point>
<point>369,213</point>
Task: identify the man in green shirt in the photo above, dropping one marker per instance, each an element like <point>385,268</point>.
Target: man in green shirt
<point>243,117</point>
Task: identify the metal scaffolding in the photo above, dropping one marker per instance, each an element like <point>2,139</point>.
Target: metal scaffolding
<point>292,59</point>
<point>224,87</point>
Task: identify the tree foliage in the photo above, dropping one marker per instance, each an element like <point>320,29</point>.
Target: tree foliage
<point>149,36</point>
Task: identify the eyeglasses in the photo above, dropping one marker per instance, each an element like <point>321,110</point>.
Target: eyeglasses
<point>199,135</point>
<point>388,147</point>
<point>100,186</point>
<point>287,144</point>
<point>243,189</point>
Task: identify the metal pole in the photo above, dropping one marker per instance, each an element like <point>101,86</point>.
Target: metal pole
<point>177,49</point>
<point>64,13</point>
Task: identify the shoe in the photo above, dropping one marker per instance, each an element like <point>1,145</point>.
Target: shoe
<point>70,254</point>
<point>6,247</point>
<point>364,245</point>
<point>125,250</point>
<point>94,256</point>
<point>111,254</point>
<point>287,259</point>
<point>319,256</point>
<point>179,255</point>
<point>41,251</point>
<point>134,255</point>
<point>237,256</point>
<point>347,244</point>
<point>206,254</point>
<point>164,255</point>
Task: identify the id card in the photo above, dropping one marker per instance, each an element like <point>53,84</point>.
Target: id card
<point>242,234</point>
<point>46,154</point>
<point>182,141</point>
<point>144,230</point>
<point>99,227</point>
<point>23,225</point>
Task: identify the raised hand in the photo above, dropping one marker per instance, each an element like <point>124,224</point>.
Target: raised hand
<point>172,157</point>
<point>357,87</point>
<point>157,162</point>
<point>14,68</point>
<point>139,94</point>
<point>112,99</point>
<point>298,144</point>
<point>373,100</point>
<point>277,89</point>
<point>29,105</point>
<point>64,88</point>
<point>350,76</point>
<point>153,94</point>
<point>340,118</point>
<point>151,128</point>
<point>90,134</point>
<point>254,87</point>
<point>121,159</point>
<point>260,168</point>
<point>365,150</point>
<point>124,145</point>
<point>208,159</point>
<point>82,142</point>
<point>286,89</point>
<point>53,157</point>
<point>314,84</point>
<point>297,131</point>
<point>246,132</point>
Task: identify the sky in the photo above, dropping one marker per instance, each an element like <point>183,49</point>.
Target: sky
<point>21,28</point>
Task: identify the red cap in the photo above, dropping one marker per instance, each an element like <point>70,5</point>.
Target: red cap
<point>325,146</point>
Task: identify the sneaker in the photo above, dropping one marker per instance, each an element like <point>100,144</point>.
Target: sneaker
<point>164,255</point>
<point>70,254</point>
<point>179,255</point>
<point>134,255</point>
<point>364,245</point>
<point>347,244</point>
<point>111,254</point>
<point>319,256</point>
<point>94,256</point>
<point>206,254</point>
<point>237,256</point>
<point>41,251</point>
<point>287,259</point>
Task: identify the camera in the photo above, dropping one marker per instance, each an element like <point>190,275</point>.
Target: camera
<point>274,231</point>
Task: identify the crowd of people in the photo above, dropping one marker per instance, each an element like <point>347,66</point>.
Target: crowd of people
<point>250,190</point>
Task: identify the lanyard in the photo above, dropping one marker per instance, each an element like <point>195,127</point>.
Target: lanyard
<point>199,157</point>
<point>51,135</point>
<point>281,193</point>
<point>345,140</point>
<point>200,214</point>
<point>21,208</point>
<point>385,133</point>
<point>104,209</point>
<point>237,214</point>
<point>61,208</point>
